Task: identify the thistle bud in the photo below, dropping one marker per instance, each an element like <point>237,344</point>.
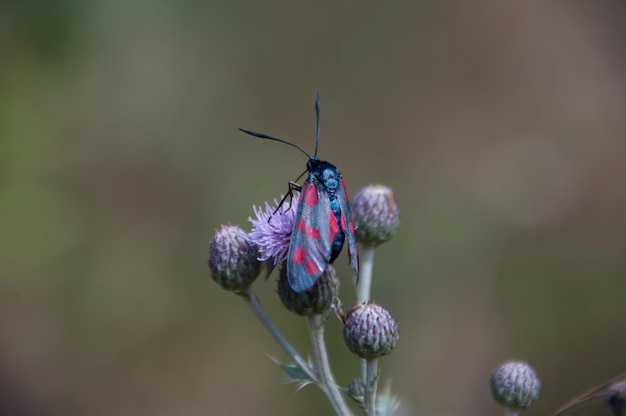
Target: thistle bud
<point>313,301</point>
<point>370,331</point>
<point>515,385</point>
<point>356,390</point>
<point>376,215</point>
<point>233,259</point>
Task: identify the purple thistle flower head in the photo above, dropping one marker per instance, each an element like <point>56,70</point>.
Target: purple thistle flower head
<point>271,232</point>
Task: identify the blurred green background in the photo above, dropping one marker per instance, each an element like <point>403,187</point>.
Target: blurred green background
<point>500,126</point>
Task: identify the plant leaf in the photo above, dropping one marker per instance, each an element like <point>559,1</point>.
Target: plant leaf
<point>295,374</point>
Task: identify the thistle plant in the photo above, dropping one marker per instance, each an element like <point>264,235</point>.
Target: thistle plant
<point>236,258</point>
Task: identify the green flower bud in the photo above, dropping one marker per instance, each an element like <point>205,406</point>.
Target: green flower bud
<point>370,331</point>
<point>233,259</point>
<point>313,301</point>
<point>375,214</point>
<point>515,385</point>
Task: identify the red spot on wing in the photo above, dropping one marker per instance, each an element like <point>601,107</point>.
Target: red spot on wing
<point>311,267</point>
<point>299,255</point>
<point>343,186</point>
<point>334,227</point>
<point>343,217</point>
<point>310,232</point>
<point>310,195</point>
<point>343,222</point>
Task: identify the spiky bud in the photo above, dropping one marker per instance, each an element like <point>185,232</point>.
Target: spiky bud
<point>313,301</point>
<point>233,259</point>
<point>356,390</point>
<point>514,384</point>
<point>369,330</point>
<point>376,215</point>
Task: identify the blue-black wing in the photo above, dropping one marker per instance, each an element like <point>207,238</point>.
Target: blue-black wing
<point>312,236</point>
<point>347,225</point>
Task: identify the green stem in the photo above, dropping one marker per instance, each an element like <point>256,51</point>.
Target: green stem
<point>512,412</point>
<point>326,380</point>
<point>364,288</point>
<point>366,265</point>
<point>258,311</point>
<point>371,386</point>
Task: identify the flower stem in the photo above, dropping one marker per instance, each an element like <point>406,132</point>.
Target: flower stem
<point>326,380</point>
<point>258,311</point>
<point>371,386</point>
<point>366,264</point>
<point>511,412</point>
<point>364,288</point>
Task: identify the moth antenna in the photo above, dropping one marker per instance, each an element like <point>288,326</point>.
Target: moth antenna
<point>265,136</point>
<point>317,112</point>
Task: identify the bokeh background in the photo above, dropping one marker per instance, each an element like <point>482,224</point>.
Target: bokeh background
<point>500,125</point>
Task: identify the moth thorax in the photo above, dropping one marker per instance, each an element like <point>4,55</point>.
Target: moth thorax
<point>329,177</point>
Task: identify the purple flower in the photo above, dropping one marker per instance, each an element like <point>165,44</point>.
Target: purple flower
<point>271,232</point>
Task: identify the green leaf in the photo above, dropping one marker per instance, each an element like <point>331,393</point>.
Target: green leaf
<point>295,374</point>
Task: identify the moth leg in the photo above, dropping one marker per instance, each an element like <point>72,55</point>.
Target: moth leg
<point>293,186</point>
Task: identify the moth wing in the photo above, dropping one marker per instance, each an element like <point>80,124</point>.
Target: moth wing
<point>311,241</point>
<point>347,225</point>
